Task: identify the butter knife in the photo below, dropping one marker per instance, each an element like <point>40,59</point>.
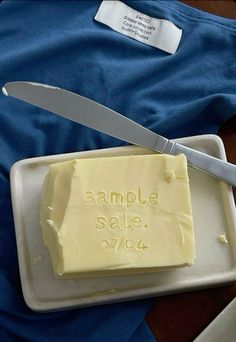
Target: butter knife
<point>94,115</point>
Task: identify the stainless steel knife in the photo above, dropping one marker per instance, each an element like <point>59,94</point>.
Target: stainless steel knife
<point>94,115</point>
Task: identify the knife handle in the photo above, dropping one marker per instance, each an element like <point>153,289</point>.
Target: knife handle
<point>208,164</point>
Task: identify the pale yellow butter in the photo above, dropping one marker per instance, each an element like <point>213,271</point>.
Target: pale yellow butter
<point>117,215</point>
<point>222,238</point>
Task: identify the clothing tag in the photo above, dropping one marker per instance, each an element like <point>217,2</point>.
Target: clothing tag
<point>159,33</point>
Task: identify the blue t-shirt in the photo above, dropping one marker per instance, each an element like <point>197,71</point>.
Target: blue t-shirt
<point>59,43</point>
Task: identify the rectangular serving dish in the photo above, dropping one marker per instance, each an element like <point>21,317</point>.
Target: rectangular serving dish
<point>222,328</point>
<point>213,214</point>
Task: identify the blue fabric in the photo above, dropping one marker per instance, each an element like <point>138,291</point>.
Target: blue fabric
<point>59,43</point>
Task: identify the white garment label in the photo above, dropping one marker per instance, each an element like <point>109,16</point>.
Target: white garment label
<point>159,33</point>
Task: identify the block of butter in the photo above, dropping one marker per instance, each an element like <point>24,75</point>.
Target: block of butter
<point>117,215</point>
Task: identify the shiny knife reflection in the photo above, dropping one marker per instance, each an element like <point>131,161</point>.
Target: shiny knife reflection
<point>94,115</point>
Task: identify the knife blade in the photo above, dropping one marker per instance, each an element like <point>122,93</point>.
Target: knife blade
<point>94,115</point>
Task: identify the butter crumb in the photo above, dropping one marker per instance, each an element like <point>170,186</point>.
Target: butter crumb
<point>222,238</point>
<point>50,222</point>
<point>37,259</point>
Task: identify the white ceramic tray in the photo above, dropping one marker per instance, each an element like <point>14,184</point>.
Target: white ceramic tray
<point>222,328</point>
<point>213,213</point>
